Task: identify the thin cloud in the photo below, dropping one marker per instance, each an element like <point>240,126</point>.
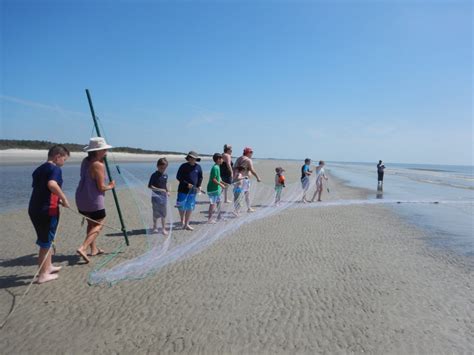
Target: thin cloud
<point>32,104</point>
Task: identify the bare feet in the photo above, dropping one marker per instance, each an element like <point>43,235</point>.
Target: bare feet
<point>188,228</point>
<point>53,269</point>
<point>42,278</point>
<point>83,255</point>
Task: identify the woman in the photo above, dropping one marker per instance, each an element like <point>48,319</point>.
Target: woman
<point>90,194</point>
<point>245,162</point>
<point>226,169</point>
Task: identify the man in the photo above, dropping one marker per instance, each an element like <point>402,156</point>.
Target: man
<point>245,162</point>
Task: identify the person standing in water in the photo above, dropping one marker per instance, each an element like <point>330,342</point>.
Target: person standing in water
<point>380,171</point>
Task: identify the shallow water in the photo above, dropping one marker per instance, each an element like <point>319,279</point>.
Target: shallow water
<point>450,225</point>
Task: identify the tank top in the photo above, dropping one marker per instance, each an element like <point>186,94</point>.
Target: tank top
<point>88,197</point>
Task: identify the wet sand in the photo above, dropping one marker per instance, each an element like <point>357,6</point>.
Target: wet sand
<point>307,280</point>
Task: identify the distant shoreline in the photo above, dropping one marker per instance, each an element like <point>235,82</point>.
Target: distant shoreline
<point>31,156</point>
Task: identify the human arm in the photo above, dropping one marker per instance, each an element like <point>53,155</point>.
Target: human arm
<point>54,187</point>
<point>252,170</point>
<point>199,181</point>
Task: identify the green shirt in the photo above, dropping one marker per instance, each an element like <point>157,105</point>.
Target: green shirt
<point>211,185</point>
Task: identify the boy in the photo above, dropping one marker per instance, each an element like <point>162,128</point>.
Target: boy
<point>305,175</point>
<point>159,199</point>
<point>215,186</point>
<point>189,176</point>
<point>44,208</point>
<point>279,184</point>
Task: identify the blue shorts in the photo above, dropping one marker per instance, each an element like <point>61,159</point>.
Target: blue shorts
<point>186,202</point>
<point>305,183</point>
<point>45,227</point>
<point>214,197</point>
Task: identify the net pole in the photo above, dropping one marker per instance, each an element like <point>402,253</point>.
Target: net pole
<point>124,230</point>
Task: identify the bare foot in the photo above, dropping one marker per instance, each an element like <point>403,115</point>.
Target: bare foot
<point>53,269</point>
<point>83,255</point>
<point>188,227</point>
<point>164,231</point>
<point>211,221</point>
<point>250,210</point>
<point>228,201</point>
<point>46,277</point>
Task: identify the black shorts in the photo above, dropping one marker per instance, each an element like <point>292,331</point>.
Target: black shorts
<point>45,227</point>
<point>227,179</point>
<point>96,215</point>
<point>380,176</point>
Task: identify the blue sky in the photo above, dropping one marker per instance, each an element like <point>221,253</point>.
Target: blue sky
<point>332,80</point>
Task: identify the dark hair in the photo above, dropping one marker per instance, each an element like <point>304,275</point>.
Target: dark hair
<point>321,162</point>
<point>307,160</point>
<point>227,148</point>
<point>216,156</point>
<point>58,149</point>
<point>162,161</point>
<point>380,162</point>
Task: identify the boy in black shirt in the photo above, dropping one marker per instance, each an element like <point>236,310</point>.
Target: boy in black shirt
<point>159,198</point>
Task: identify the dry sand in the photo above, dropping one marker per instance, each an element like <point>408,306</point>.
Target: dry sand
<point>348,279</point>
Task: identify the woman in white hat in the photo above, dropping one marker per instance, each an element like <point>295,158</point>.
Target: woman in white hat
<point>90,194</point>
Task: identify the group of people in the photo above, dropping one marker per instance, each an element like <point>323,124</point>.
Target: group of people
<point>225,178</point>
<point>47,194</point>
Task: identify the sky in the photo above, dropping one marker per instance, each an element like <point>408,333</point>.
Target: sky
<point>332,80</point>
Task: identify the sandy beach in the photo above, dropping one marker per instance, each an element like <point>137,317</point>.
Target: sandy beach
<point>336,279</point>
<point>28,156</point>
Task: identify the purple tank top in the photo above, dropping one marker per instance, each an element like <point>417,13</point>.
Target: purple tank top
<point>88,196</point>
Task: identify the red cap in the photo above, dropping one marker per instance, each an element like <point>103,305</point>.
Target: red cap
<point>247,150</point>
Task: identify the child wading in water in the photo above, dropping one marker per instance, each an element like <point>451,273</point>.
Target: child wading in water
<point>214,187</point>
<point>159,198</point>
<point>44,208</point>
<point>320,175</point>
<point>239,180</point>
<point>279,184</point>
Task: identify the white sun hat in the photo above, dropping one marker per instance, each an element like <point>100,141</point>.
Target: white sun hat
<point>96,143</point>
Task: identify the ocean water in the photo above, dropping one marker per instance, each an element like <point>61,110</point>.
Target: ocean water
<point>15,180</point>
<point>449,221</point>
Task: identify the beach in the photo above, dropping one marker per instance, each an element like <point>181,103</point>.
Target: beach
<point>29,156</point>
<point>331,279</point>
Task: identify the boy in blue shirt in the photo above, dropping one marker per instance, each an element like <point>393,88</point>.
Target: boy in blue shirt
<point>159,199</point>
<point>44,208</point>
<point>189,176</point>
<point>305,174</point>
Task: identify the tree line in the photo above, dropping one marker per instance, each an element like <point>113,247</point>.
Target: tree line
<point>72,147</point>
